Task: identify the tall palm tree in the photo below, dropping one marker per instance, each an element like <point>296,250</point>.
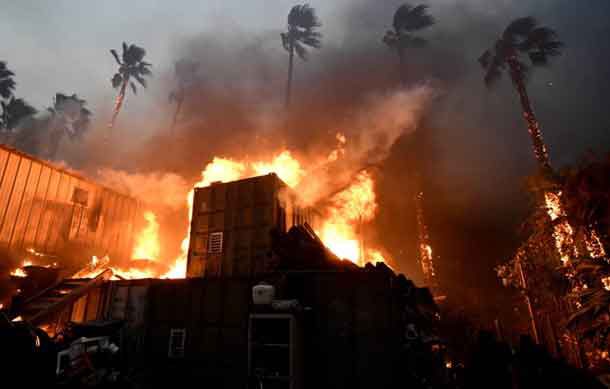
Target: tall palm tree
<point>14,111</point>
<point>68,116</point>
<point>302,32</point>
<point>131,66</point>
<point>407,20</point>
<point>523,41</point>
<point>186,74</point>
<point>7,83</point>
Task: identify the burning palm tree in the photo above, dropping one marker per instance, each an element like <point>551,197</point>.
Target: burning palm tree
<point>7,83</point>
<point>407,20</point>
<point>131,66</point>
<point>523,40</point>
<point>302,32</point>
<point>68,116</point>
<point>186,74</point>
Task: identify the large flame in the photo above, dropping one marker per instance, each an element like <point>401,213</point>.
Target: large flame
<point>345,215</point>
<point>342,231</point>
<point>147,241</point>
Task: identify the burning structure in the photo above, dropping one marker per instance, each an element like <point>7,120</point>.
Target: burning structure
<point>54,218</point>
<point>327,320</point>
<point>232,222</point>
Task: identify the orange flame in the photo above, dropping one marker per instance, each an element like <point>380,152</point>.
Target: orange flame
<point>147,242</point>
<point>341,232</point>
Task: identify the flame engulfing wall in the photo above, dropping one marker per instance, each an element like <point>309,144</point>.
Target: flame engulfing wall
<point>337,177</point>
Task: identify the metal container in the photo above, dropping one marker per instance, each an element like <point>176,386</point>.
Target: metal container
<point>231,225</point>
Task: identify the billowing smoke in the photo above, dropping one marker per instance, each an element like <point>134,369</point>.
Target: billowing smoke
<point>471,150</point>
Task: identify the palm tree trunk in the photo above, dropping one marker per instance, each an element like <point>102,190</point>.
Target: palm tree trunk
<point>401,61</point>
<point>118,103</point>
<point>533,126</point>
<point>289,83</point>
<point>425,250</point>
<point>175,119</point>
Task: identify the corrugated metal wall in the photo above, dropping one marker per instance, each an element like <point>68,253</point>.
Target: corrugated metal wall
<point>244,212</point>
<point>47,208</point>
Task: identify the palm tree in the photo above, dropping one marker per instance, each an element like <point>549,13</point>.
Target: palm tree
<point>186,74</point>
<point>523,40</point>
<point>13,112</point>
<point>131,66</point>
<point>407,20</point>
<point>7,83</point>
<point>302,32</point>
<point>68,116</point>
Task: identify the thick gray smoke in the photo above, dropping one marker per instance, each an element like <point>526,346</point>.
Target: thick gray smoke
<point>471,151</point>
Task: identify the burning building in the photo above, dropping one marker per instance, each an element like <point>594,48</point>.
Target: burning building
<point>49,210</point>
<point>232,222</point>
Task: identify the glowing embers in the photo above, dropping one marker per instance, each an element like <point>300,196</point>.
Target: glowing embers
<point>606,283</point>
<point>94,268</point>
<point>594,245</point>
<point>20,272</point>
<point>426,257</point>
<point>563,233</point>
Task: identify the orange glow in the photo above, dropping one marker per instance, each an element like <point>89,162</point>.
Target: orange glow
<point>17,319</point>
<point>284,165</point>
<point>132,273</point>
<point>94,268</point>
<point>341,231</point>
<point>147,241</point>
<point>19,272</point>
<point>563,233</point>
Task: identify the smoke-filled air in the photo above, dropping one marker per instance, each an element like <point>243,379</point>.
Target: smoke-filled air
<point>450,155</point>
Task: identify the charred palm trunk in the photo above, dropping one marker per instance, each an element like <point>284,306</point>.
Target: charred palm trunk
<point>119,102</point>
<point>533,126</point>
<point>289,82</point>
<point>176,113</point>
<point>426,257</point>
<point>401,70</point>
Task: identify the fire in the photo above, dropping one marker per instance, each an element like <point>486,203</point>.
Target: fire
<point>342,231</point>
<point>147,242</point>
<point>17,319</point>
<point>285,166</point>
<point>19,272</point>
<point>562,232</point>
<point>606,283</point>
<point>132,273</point>
<point>349,211</point>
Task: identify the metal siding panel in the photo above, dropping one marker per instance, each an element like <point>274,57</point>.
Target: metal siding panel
<point>26,205</point>
<point>99,233</point>
<point>4,155</point>
<point>48,209</point>
<point>61,222</point>
<point>121,227</point>
<point>109,222</point>
<point>8,181</point>
<point>91,234</point>
<point>37,208</point>
<point>14,202</point>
